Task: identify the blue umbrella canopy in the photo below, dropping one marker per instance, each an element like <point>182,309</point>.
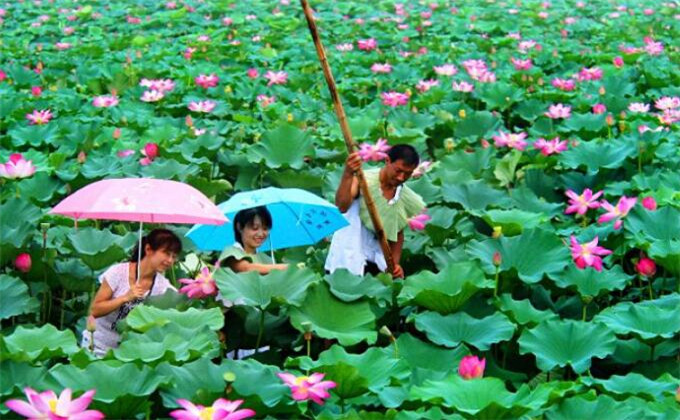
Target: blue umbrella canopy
<point>299,218</point>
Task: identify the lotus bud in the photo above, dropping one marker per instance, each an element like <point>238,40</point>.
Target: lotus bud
<point>449,144</point>
<point>540,81</point>
<point>622,126</point>
<point>602,90</point>
<point>649,203</point>
<point>497,232</point>
<point>609,120</point>
<point>471,367</point>
<point>646,267</point>
<point>82,156</point>
<point>91,324</point>
<point>23,262</point>
<point>116,133</point>
<point>497,259</point>
<point>462,114</point>
<point>188,121</point>
<point>36,91</point>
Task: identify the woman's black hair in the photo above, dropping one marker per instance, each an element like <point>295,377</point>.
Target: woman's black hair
<point>158,239</point>
<point>246,217</point>
<point>404,152</point>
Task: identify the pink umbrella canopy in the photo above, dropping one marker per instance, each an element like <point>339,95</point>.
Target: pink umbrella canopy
<point>141,200</point>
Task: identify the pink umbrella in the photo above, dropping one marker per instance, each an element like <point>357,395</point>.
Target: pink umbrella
<point>140,200</point>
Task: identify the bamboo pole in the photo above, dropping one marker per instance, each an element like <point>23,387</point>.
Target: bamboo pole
<point>346,133</point>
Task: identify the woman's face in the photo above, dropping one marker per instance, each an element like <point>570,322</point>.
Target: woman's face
<point>254,234</point>
<point>160,259</point>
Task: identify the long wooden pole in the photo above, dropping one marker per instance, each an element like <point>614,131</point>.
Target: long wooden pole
<point>347,134</point>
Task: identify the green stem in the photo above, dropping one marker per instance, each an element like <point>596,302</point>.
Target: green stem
<point>396,347</point>
<point>63,311</point>
<point>261,330</point>
<point>309,348</point>
<point>91,341</point>
<point>583,318</point>
<point>651,352</point>
<point>649,287</point>
<point>495,289</point>
<point>639,157</point>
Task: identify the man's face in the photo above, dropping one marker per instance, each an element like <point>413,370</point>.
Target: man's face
<point>397,172</point>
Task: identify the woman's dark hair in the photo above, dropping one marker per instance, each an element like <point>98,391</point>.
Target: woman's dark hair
<point>246,217</point>
<point>404,152</point>
<point>158,239</point>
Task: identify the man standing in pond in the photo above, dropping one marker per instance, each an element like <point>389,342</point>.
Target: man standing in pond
<point>356,247</point>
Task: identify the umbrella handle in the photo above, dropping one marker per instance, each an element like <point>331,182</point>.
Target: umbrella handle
<point>139,253</point>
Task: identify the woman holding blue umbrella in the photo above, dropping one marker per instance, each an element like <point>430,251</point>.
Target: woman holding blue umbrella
<point>251,230</point>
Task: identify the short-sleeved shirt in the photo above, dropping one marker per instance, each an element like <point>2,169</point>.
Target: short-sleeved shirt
<point>237,252</point>
<point>118,278</point>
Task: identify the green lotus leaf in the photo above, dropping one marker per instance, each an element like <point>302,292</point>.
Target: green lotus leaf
<point>14,230</point>
<point>97,248</point>
<point>74,275</point>
<point>143,318</point>
<point>349,287</point>
<point>513,221</point>
<point>667,254</point>
<point>168,300</point>
<point>36,344</point>
<point>636,384</point>
<point>40,186</point>
<point>283,145</point>
<point>34,135</point>
<point>452,330</point>
<point>253,289</point>
<point>522,312</point>
<point>474,163</point>
<point>349,323</point>
<point>645,321</point>
<point>426,356</point>
<point>101,166</point>
<point>595,155</point>
<point>633,351</point>
<point>434,413</point>
<point>115,398</point>
<point>589,282</point>
<point>477,124</point>
<point>587,406</point>
<point>506,168</point>
<point>499,95</point>
<point>425,188</point>
<point>533,253</point>
<point>475,196</point>
<point>650,226</point>
<point>169,342</point>
<point>567,342</point>
<point>587,122</point>
<point>483,398</point>
<point>169,169</point>
<point>199,381</point>
<point>256,380</point>
<point>525,199</point>
<point>17,375</point>
<point>15,298</point>
<point>447,291</point>
<point>407,126</point>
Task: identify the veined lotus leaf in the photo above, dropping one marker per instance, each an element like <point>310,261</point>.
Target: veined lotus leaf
<point>168,300</point>
<point>169,169</point>
<point>407,126</point>
<point>633,351</point>
<point>477,124</point>
<point>589,282</point>
<point>376,366</point>
<point>525,199</point>
<point>666,254</point>
<point>14,230</point>
<point>40,186</point>
<point>447,291</point>
<point>475,196</point>
<point>101,166</point>
<point>452,330</point>
<point>499,95</point>
<point>37,344</point>
<point>349,287</point>
<point>533,253</point>
<point>474,163</point>
<point>522,312</point>
<point>650,226</point>
<point>169,342</point>
<point>34,135</point>
<point>434,413</point>
<point>513,221</point>
<point>115,398</point>
<point>425,188</point>
<point>142,318</point>
<point>595,155</point>
<point>427,356</point>
<point>587,122</point>
<point>254,379</point>
<point>283,145</point>
<point>636,384</point>
<point>15,298</point>
<point>587,406</point>
<point>567,342</point>
<point>253,289</point>
<point>16,376</point>
<point>74,275</point>
<point>97,248</point>
<point>349,323</point>
<point>200,381</point>
<point>645,321</point>
<point>484,398</point>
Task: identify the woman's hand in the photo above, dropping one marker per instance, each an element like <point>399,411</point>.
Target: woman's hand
<point>135,292</point>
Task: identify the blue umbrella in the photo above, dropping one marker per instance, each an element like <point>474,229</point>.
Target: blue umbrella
<point>299,218</point>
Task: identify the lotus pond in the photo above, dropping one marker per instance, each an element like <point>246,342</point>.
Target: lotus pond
<point>552,251</point>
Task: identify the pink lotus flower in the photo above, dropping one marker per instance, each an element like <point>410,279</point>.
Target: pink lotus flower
<point>39,117</point>
<point>46,405</point>
<point>3,75</point>
<point>276,77</point>
<point>617,212</point>
<point>445,70</point>
<point>419,221</point>
<point>638,107</point>
<point>367,44</point>
<point>669,116</point>
<point>376,152</point>
<point>17,167</point>
<point>394,99</point>
<point>667,102</point>
<point>253,73</point>
<point>202,106</point>
<point>549,147</point>
<point>150,152</point>
<point>524,46</point>
<point>125,153</point>
<point>521,64</point>
<point>207,81</point>
<point>618,62</point>
<point>308,387</point>
<point>345,47</point>
<point>23,262</point>
<point>588,255</point>
<point>594,73</point>
<point>462,86</point>
<point>189,52</point>
<point>104,101</point>
<point>558,111</point>
<point>381,68</point>
<point>160,85</point>
<point>202,286</point>
<point>653,47</point>
<point>581,203</point>
<point>36,91</point>
<point>649,203</point>
<point>265,100</point>
<point>227,21</point>
<point>482,75</point>
<point>220,410</point>
<point>566,85</point>
<point>152,96</point>
<point>422,169</point>
<point>425,85</point>
<point>511,140</point>
<point>646,267</point>
<point>471,367</point>
<point>61,46</point>
<point>203,38</point>
<point>599,109</point>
